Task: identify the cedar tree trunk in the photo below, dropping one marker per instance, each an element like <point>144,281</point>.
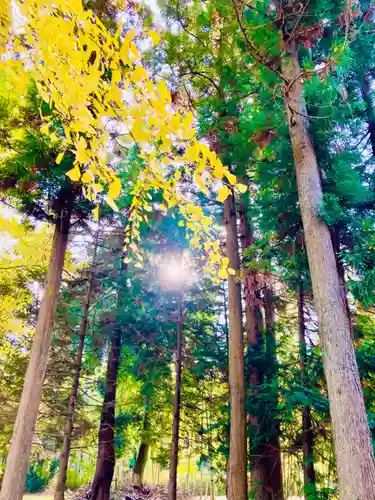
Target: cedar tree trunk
<point>271,423</point>
<point>141,461</point>
<point>105,464</point>
<point>354,453</point>
<point>18,457</point>
<point>172,483</point>
<point>308,435</point>
<point>369,98</point>
<point>65,451</point>
<point>237,464</point>
<point>253,317</point>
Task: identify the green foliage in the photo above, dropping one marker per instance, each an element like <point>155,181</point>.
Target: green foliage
<point>40,474</point>
<point>331,211</point>
<point>80,472</point>
<point>238,105</point>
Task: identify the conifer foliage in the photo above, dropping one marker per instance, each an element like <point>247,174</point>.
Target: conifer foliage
<point>187,248</point>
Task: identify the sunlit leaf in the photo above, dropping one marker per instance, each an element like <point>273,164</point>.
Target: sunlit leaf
<point>59,157</point>
<point>242,188</point>
<point>95,213</point>
<point>223,193</point>
<point>74,174</point>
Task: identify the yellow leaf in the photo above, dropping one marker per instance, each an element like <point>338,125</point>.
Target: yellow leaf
<point>87,177</point>
<point>116,76</point>
<point>112,204</point>
<point>223,274</point>
<point>164,92</point>
<point>130,35</point>
<point>219,170</point>
<point>134,51</point>
<point>74,174</point>
<point>231,271</point>
<point>81,154</point>
<point>98,187</point>
<point>124,52</point>
<point>139,134</point>
<point>45,129</point>
<point>231,178</point>
<point>197,213</point>
<point>155,37</point>
<point>95,213</point>
<point>60,157</point>
<point>181,223</point>
<point>188,120</point>
<point>242,188</point>
<point>114,189</point>
<point>207,221</point>
<point>192,153</point>
<point>199,181</point>
<point>139,74</point>
<point>223,193</point>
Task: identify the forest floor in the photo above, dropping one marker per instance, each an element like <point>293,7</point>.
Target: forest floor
<point>156,493</point>
<point>42,496</point>
<point>46,496</point>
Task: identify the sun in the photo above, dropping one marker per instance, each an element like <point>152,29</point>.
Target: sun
<point>176,270</point>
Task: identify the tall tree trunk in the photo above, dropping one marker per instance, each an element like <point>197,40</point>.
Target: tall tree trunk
<point>335,237</point>
<point>143,451</point>
<point>172,483</point>
<point>369,98</point>
<point>271,449</point>
<point>105,464</point>
<point>65,451</point>
<point>253,317</point>
<point>18,457</point>
<point>354,454</point>
<point>237,465</point>
<point>308,435</point>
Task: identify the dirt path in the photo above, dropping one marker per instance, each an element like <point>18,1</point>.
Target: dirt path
<point>42,496</point>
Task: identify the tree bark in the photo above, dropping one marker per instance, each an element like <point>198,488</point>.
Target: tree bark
<point>368,95</point>
<point>143,451</point>
<point>253,317</point>
<point>237,465</point>
<point>172,483</point>
<point>308,435</point>
<point>335,237</point>
<point>18,457</point>
<point>105,464</point>
<point>354,454</point>
<point>65,451</point>
<point>271,448</point>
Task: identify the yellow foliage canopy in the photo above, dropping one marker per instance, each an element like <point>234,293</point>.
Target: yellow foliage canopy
<point>91,77</point>
<point>4,23</point>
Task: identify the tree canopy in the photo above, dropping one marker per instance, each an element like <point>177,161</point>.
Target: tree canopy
<point>187,249</point>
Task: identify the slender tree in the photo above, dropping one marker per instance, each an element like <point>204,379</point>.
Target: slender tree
<point>271,449</point>
<point>353,446</point>
<point>354,452</point>
<point>172,484</point>
<point>308,434</point>
<point>105,463</point>
<point>65,451</point>
<point>237,469</point>
<point>18,456</point>
<point>253,317</point>
<point>143,451</point>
